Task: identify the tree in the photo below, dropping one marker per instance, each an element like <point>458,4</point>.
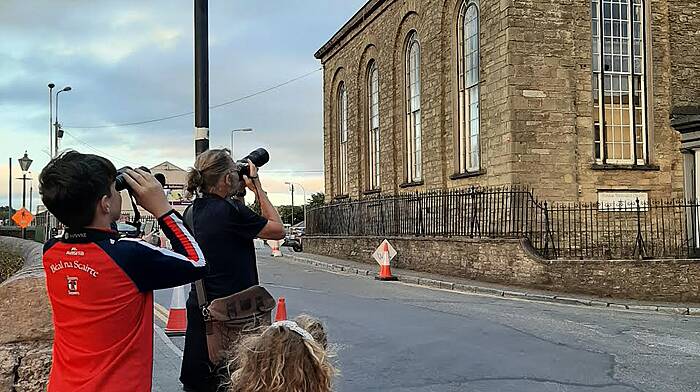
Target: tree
<point>286,214</point>
<point>317,200</point>
<point>255,207</point>
<point>4,212</point>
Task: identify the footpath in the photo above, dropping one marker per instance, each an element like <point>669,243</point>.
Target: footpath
<point>443,282</point>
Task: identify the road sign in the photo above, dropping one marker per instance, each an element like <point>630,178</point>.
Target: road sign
<point>22,218</point>
<point>384,253</point>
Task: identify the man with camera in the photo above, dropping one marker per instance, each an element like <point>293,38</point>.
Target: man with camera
<point>225,228</point>
<point>101,286</point>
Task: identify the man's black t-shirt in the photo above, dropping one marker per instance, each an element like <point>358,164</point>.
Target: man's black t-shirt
<point>225,231</point>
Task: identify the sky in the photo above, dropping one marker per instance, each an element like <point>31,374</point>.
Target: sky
<point>132,60</point>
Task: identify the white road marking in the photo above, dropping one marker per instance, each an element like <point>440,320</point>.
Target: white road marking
<point>167,341</point>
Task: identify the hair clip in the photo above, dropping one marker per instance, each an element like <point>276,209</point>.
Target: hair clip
<point>292,326</point>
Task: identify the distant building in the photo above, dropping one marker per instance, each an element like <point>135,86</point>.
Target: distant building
<point>175,180</point>
<point>573,99</point>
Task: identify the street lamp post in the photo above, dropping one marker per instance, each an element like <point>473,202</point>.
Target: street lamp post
<point>304,192</point>
<point>10,195</point>
<point>234,131</point>
<point>24,163</point>
<point>58,133</point>
<point>51,86</point>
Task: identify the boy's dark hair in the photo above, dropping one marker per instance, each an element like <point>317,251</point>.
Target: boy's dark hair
<point>72,184</point>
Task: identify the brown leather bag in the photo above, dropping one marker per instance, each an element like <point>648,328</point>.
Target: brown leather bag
<point>225,318</point>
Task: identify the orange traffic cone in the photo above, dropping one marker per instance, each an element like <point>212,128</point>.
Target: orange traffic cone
<point>275,246</point>
<point>385,268</point>
<point>177,317</point>
<point>281,314</point>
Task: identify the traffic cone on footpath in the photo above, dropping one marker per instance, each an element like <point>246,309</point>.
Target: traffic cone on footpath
<point>281,314</point>
<point>177,316</point>
<point>275,246</point>
<point>385,268</point>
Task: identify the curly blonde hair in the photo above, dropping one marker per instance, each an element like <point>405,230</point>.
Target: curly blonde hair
<point>281,360</point>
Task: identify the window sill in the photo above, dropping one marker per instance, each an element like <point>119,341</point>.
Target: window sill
<point>608,166</point>
<point>341,197</point>
<point>411,184</point>
<point>371,192</point>
<point>470,174</point>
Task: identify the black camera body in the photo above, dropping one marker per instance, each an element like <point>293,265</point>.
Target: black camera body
<point>120,182</point>
<point>259,157</point>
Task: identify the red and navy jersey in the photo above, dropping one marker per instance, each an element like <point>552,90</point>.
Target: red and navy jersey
<point>101,292</point>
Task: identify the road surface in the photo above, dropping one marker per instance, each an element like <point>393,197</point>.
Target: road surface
<point>396,337</point>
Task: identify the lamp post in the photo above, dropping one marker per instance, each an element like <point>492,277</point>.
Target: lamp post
<point>291,184</point>
<point>58,133</point>
<point>201,76</point>
<point>234,131</point>
<point>24,163</point>
<point>51,86</point>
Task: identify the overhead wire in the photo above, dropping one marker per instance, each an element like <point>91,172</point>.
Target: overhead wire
<point>170,117</point>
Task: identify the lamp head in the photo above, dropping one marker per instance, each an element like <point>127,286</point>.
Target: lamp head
<point>25,162</point>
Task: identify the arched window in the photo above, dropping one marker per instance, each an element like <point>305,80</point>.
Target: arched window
<point>619,81</point>
<point>373,126</point>
<point>468,88</point>
<point>343,138</point>
<point>413,115</point>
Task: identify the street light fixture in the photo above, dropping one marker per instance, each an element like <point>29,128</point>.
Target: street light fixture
<point>291,185</point>
<point>234,131</point>
<point>24,164</point>
<point>57,125</point>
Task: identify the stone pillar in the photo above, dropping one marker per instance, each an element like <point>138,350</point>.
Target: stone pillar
<point>26,335</point>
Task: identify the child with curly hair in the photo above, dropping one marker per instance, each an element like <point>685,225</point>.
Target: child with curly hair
<point>288,356</point>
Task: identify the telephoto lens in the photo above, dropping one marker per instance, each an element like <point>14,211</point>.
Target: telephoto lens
<point>259,157</point>
<point>120,182</point>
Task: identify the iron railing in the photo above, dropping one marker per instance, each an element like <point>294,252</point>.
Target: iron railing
<point>654,229</point>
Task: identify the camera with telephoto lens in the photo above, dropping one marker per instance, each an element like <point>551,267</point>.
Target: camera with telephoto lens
<point>120,181</point>
<point>259,157</point>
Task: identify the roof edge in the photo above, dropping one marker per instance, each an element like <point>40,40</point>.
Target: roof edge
<point>360,16</point>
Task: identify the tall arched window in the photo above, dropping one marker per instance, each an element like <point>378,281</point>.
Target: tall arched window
<point>619,81</point>
<point>373,126</point>
<point>413,115</point>
<point>343,138</point>
<point>468,88</point>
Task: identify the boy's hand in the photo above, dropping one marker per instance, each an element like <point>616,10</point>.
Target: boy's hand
<point>148,192</point>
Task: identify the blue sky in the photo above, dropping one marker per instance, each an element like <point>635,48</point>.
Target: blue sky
<point>129,61</point>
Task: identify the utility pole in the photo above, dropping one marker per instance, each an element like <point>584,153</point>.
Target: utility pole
<point>9,214</point>
<point>201,76</point>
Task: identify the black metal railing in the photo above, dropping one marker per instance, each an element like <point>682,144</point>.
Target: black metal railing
<point>637,229</point>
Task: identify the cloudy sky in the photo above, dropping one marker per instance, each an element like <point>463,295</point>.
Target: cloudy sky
<point>130,61</point>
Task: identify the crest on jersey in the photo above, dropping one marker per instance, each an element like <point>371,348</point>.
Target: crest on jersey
<point>72,285</point>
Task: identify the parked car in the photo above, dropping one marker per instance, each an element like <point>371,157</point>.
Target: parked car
<point>294,241</point>
<point>126,230</point>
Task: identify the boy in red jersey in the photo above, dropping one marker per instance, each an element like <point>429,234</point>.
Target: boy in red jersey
<point>101,286</point>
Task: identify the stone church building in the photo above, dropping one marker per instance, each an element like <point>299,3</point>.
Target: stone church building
<point>576,99</point>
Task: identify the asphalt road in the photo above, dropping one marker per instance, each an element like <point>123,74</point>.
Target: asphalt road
<point>396,337</point>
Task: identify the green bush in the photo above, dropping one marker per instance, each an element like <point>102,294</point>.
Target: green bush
<point>9,264</point>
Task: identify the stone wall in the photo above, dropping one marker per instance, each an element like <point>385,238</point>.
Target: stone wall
<point>511,262</point>
<point>27,333</point>
<point>536,96</point>
<point>684,41</point>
